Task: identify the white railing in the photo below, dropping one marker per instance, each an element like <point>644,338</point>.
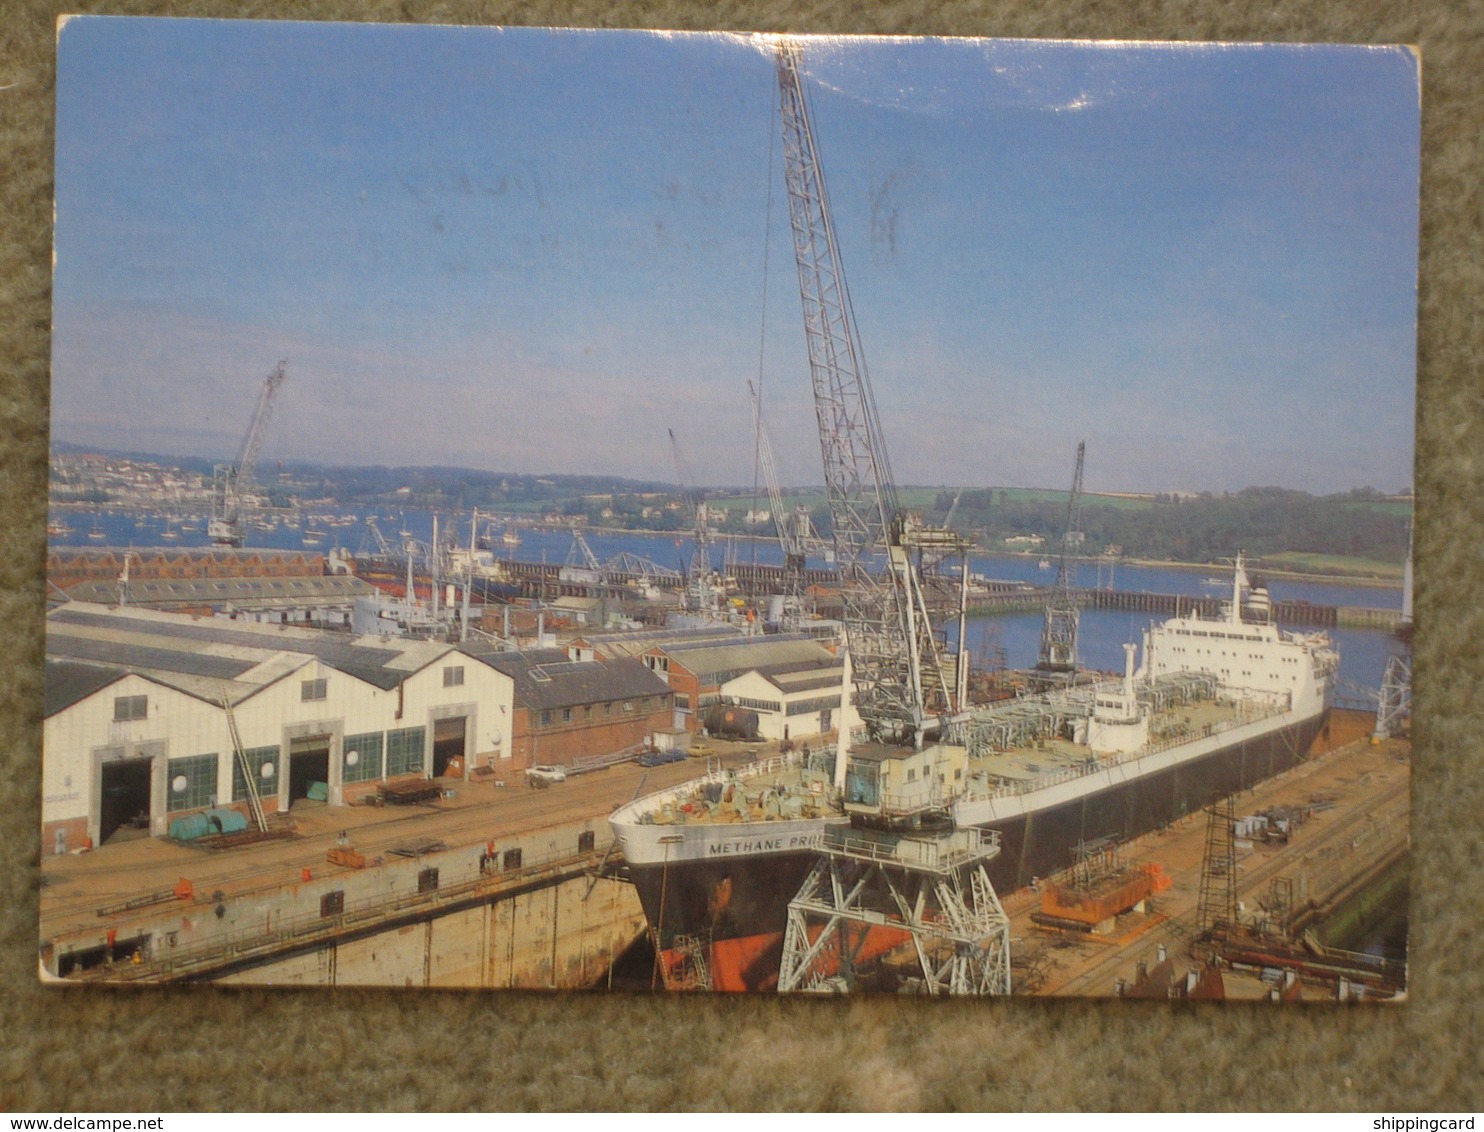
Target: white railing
<point>1246,713</point>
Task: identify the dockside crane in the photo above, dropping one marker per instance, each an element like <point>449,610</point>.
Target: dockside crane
<point>935,887</point>
<point>1057,657</point>
<point>232,483</point>
<point>698,597</point>
<point>898,670</point>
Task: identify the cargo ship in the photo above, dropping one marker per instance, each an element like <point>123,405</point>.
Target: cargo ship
<point>1215,705</point>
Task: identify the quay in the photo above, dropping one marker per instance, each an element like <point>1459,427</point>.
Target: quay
<point>492,885</point>
<point>1360,795</point>
<point>545,580</point>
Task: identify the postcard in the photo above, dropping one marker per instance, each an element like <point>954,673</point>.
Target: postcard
<point>481,554</point>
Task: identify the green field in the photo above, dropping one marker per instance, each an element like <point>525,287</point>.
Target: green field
<point>1342,564</point>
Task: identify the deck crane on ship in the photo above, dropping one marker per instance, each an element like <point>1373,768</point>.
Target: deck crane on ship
<point>232,483</point>
<point>886,883</point>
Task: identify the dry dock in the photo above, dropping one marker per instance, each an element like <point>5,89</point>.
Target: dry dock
<point>488,885</point>
<point>1359,827</point>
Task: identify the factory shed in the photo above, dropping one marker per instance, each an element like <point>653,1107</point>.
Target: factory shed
<point>792,700</point>
<point>567,711</point>
<point>324,602</point>
<point>609,646</point>
<point>696,670</point>
<point>136,732</point>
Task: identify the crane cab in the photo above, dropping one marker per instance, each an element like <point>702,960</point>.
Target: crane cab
<point>891,786</point>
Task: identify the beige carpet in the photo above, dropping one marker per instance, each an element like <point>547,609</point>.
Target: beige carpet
<point>206,1049</point>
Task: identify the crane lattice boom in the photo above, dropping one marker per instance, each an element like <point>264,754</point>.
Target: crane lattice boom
<point>1058,652</point>
<point>234,482</point>
<point>896,668</point>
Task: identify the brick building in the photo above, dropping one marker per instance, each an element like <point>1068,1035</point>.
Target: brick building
<point>566,711</point>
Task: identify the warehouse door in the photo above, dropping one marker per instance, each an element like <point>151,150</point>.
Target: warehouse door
<point>448,747</point>
<point>309,769</point>
<point>125,808</point>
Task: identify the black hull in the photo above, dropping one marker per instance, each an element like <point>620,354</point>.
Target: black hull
<point>1045,842</point>
<point>748,896</point>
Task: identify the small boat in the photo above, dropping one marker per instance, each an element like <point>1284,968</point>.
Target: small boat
<point>58,527</point>
<point>1044,564</point>
<point>97,534</point>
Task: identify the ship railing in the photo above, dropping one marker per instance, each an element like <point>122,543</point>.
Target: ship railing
<point>1246,713</point>
<point>928,852</point>
<point>644,808</point>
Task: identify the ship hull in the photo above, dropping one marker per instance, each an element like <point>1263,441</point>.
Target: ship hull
<point>735,906</point>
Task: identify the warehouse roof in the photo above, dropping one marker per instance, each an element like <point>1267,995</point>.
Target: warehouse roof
<point>546,679</point>
<point>230,593</point>
<point>715,662</point>
<point>200,655</point>
<point>67,683</point>
<point>632,643</point>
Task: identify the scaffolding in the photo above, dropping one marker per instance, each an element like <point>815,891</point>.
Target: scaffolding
<point>1216,911</point>
<point>1394,706</point>
<point>871,895</point>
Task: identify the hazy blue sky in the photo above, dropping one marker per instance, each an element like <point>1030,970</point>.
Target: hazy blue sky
<point>536,251</point>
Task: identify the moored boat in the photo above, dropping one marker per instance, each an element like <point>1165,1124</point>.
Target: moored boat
<point>1217,705</point>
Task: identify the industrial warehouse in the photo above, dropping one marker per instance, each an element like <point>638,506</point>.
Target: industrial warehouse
<point>142,704</point>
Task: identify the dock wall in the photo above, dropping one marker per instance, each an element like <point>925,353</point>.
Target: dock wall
<point>518,911</point>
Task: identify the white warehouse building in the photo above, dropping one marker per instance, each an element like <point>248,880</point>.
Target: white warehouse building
<point>136,733</point>
<point>791,699</point>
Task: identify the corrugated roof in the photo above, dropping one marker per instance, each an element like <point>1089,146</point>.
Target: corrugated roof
<point>68,683</point>
<point>546,679</point>
<point>238,592</point>
<point>632,643</point>
<point>383,665</point>
<point>725,660</point>
<point>187,662</point>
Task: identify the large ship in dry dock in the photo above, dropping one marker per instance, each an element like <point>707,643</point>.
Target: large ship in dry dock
<point>1216,705</point>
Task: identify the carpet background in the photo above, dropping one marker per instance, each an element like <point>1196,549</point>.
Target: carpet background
<point>204,1049</point>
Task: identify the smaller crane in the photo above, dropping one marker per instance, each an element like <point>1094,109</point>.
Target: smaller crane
<point>1057,657</point>
<point>792,527</point>
<point>232,483</point>
<point>698,598</point>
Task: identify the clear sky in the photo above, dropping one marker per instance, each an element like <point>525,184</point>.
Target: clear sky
<point>536,251</point>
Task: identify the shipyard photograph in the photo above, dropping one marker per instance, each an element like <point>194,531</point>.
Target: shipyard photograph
<point>480,553</point>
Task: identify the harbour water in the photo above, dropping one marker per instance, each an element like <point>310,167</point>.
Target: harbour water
<point>1363,653</point>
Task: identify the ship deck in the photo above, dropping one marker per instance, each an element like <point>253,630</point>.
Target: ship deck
<point>763,791</point>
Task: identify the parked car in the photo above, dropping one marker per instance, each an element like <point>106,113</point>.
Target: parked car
<point>660,758</point>
<point>545,775</point>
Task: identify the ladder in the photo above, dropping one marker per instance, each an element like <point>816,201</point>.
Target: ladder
<point>254,802</point>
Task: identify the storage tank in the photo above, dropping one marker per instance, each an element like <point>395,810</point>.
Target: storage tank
<point>723,719</point>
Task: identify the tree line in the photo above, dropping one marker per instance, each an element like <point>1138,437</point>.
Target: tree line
<point>1205,528</point>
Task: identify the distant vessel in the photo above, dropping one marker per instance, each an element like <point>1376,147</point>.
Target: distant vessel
<point>1216,705</point>
<point>511,537</point>
<point>97,533</point>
